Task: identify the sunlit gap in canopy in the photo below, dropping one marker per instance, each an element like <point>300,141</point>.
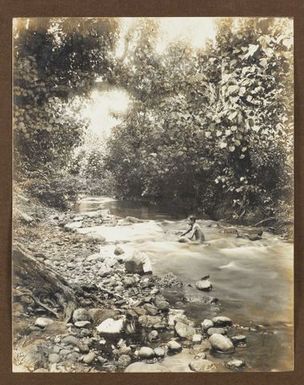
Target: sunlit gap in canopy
<point>105,109</point>
<point>194,31</point>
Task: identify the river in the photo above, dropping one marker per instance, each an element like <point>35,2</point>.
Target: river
<point>253,280</point>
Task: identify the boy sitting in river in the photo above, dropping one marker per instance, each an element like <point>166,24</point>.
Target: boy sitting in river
<point>196,231</point>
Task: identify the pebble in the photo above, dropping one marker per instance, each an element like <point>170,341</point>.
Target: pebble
<point>82,324</point>
<point>64,352</point>
<point>149,320</point>
<point>85,332</point>
<point>73,356</point>
<point>129,281</point>
<point>84,348</point>
<point>104,271</point>
<point>89,358</point>
<point>101,359</point>
<point>54,358</point>
<point>197,338</point>
<point>153,335</point>
<point>81,314</point>
<point>204,346</point>
<point>200,355</point>
<point>222,321</point>
<point>151,309</point>
<point>111,326</point>
<point>56,349</point>
<point>202,365</point>
<point>42,322</point>
<point>161,303</point>
<point>159,352</point>
<point>123,361</point>
<point>235,364</point>
<point>70,340</point>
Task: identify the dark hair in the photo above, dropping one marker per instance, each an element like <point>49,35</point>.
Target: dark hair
<point>192,218</point>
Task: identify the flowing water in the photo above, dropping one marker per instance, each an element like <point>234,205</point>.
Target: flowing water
<point>253,280</point>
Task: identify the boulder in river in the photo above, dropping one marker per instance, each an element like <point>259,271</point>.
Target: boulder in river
<point>174,347</point>
<point>221,321</point>
<point>145,352</point>
<point>202,365</point>
<point>221,343</point>
<point>111,326</point>
<point>206,324</point>
<point>119,250</point>
<point>138,263</point>
<point>239,339</point>
<point>204,285</point>
<point>184,330</point>
<point>142,367</point>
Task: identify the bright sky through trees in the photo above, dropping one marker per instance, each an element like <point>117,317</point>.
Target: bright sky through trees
<point>193,30</point>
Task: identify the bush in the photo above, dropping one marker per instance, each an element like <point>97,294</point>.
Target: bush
<point>59,191</point>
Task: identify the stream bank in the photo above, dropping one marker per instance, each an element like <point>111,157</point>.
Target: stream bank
<point>89,247</point>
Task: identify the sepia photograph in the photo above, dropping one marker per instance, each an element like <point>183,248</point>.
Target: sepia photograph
<point>153,194</point>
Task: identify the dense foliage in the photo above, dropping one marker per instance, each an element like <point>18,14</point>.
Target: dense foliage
<point>213,128</point>
<point>209,129</point>
<point>56,62</point>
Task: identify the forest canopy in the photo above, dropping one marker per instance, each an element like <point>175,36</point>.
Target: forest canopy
<point>208,128</point>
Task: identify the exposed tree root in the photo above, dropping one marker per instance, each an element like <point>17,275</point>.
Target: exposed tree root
<point>46,287</point>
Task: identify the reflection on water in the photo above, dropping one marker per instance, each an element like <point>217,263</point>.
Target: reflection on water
<point>252,280</point>
<point>131,208</point>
